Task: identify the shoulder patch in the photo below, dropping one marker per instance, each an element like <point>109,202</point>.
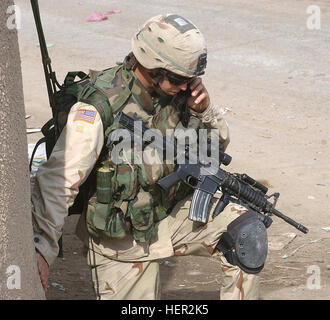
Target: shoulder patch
<point>85,115</point>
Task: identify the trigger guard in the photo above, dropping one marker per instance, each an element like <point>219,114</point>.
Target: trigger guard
<point>191,179</point>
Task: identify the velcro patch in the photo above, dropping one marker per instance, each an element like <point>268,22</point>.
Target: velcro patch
<point>85,115</point>
<point>179,23</point>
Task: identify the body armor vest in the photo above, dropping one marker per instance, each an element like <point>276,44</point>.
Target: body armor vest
<point>127,198</point>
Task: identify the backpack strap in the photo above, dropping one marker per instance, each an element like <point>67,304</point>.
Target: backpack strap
<point>94,95</point>
<point>71,76</point>
<point>102,80</point>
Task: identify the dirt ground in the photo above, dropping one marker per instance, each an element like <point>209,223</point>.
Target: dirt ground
<point>269,72</point>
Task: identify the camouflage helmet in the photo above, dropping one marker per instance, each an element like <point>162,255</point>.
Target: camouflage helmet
<point>173,43</point>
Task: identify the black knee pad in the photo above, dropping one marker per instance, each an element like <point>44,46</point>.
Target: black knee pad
<point>245,242</point>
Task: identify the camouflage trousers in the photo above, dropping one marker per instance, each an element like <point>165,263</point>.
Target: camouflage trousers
<point>123,269</point>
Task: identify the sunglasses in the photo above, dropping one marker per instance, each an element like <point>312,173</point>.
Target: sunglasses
<point>173,78</point>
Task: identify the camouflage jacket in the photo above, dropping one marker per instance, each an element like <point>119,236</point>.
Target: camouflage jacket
<point>136,201</point>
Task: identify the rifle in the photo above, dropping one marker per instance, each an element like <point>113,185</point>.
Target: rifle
<point>238,188</point>
<point>51,81</point>
<point>52,85</point>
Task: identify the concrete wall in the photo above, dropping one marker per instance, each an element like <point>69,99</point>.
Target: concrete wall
<point>19,277</point>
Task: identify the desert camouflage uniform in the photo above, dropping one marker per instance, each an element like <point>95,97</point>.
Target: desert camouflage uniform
<point>126,268</point>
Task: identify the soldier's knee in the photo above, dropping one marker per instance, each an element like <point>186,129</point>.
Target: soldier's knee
<point>245,242</point>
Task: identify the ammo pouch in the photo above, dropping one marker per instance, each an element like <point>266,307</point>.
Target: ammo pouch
<point>115,186</point>
<point>106,220</point>
<point>245,242</point>
<point>141,214</point>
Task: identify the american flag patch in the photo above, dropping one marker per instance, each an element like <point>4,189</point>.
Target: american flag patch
<point>85,115</point>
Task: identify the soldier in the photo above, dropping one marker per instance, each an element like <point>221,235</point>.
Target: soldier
<point>135,223</point>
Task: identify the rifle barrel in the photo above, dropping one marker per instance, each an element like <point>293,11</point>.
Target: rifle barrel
<point>295,224</point>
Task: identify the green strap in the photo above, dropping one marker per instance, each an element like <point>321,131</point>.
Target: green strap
<point>86,92</point>
<point>124,94</point>
<point>71,76</point>
<point>100,101</point>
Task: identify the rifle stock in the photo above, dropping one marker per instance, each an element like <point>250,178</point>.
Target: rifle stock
<point>170,180</point>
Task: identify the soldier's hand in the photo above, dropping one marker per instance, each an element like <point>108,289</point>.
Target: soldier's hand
<point>43,269</point>
<point>199,99</point>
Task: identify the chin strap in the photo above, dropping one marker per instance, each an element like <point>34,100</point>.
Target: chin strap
<point>130,61</point>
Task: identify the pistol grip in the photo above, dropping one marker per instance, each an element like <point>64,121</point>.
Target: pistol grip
<point>167,182</point>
